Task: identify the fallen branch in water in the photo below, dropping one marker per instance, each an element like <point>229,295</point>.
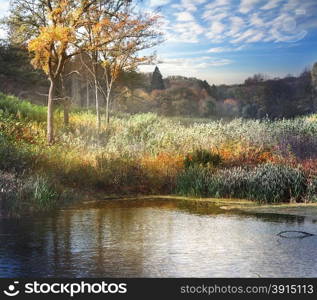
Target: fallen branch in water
<point>300,234</point>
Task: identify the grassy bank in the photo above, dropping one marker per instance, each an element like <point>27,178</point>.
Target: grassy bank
<point>265,161</point>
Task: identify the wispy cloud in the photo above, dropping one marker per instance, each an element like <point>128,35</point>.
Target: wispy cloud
<point>247,5</point>
<point>215,31</point>
<point>4,7</point>
<point>271,4</point>
<point>220,28</point>
<point>245,21</point>
<point>196,63</point>
<point>184,16</point>
<point>225,49</point>
<point>189,5</point>
<point>186,32</point>
<point>156,3</point>
<point>195,67</point>
<point>217,3</point>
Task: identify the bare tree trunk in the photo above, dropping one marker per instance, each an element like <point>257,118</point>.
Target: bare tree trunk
<point>97,106</point>
<point>66,101</point>
<point>87,95</point>
<point>109,87</point>
<point>66,111</point>
<point>107,107</point>
<point>50,112</point>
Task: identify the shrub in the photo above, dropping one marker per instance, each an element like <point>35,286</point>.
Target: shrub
<point>12,157</point>
<point>161,171</point>
<point>40,193</point>
<point>311,195</point>
<point>119,174</point>
<point>276,183</point>
<point>203,158</point>
<point>194,182</point>
<point>20,196</point>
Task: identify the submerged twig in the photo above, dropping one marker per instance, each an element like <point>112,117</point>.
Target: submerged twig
<point>300,234</point>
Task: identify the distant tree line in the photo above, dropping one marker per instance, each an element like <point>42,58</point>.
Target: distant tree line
<point>258,97</point>
<point>261,97</point>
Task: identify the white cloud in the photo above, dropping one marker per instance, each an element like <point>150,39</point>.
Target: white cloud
<point>189,5</point>
<point>225,49</point>
<point>247,5</point>
<point>271,4</point>
<point>217,3</point>
<point>216,30</point>
<point>195,62</point>
<point>233,25</point>
<point>218,50</point>
<point>4,7</point>
<point>156,3</point>
<point>192,67</point>
<point>217,27</point>
<point>248,34</point>
<point>187,32</point>
<point>255,38</point>
<point>257,21</point>
<point>285,29</point>
<point>236,25</point>
<point>216,10</point>
<point>215,15</point>
<point>240,21</point>
<point>184,16</point>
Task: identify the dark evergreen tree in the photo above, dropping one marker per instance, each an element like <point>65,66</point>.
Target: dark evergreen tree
<point>205,85</point>
<point>157,82</point>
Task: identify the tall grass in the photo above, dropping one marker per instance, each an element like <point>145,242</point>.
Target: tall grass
<point>266,161</point>
<point>266,183</point>
<point>20,196</point>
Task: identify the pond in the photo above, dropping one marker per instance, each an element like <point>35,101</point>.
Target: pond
<point>155,238</point>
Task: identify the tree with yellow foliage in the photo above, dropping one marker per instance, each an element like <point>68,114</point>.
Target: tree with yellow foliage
<point>51,28</point>
<point>56,31</point>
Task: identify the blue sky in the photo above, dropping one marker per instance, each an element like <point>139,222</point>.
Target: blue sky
<point>225,41</point>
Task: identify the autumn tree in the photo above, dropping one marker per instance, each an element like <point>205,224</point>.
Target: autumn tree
<point>99,16</point>
<point>133,35</point>
<point>51,29</point>
<point>116,35</point>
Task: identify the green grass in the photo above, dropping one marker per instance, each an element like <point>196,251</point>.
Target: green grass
<point>22,109</point>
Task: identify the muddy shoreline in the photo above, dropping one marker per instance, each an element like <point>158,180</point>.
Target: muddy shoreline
<point>237,205</point>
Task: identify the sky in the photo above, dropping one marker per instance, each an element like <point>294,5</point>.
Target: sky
<point>226,41</point>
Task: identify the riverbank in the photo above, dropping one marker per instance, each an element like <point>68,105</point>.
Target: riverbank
<point>234,205</point>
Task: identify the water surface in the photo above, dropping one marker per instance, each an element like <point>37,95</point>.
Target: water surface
<point>155,238</point>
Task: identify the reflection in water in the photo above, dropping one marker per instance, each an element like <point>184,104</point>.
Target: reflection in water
<point>155,238</point>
